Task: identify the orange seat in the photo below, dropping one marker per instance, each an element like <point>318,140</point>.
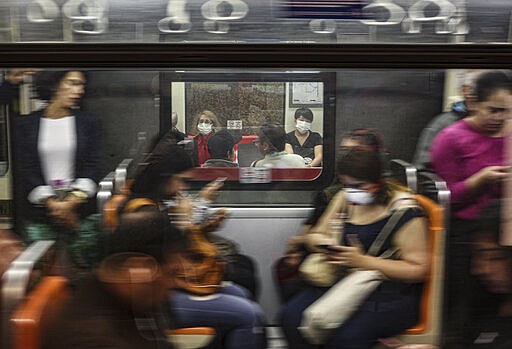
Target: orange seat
<point>191,337</point>
<point>435,214</point>
<point>38,311</point>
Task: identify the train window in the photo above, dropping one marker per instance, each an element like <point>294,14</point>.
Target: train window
<point>242,105</point>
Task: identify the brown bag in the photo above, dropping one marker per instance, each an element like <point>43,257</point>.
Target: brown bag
<point>201,270</point>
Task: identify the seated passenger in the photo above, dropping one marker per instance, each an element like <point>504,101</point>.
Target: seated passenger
<point>303,141</point>
<point>287,268</point>
<point>58,153</point>
<point>491,264</point>
<point>220,147</point>
<point>160,184</point>
<point>271,144</point>
<point>174,121</point>
<point>369,202</point>
<point>205,125</point>
<point>120,305</point>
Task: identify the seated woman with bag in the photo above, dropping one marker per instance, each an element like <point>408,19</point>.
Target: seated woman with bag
<point>383,236</point>
<point>201,298</point>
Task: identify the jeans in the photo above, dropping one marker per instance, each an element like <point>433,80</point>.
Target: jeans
<point>238,321</point>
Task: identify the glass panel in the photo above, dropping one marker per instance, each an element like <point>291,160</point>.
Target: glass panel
<point>260,21</point>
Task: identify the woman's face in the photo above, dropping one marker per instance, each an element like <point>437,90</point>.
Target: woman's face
<point>491,115</point>
<point>70,90</point>
<point>204,125</point>
<point>177,183</point>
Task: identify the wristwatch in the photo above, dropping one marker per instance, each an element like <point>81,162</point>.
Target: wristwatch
<point>80,195</point>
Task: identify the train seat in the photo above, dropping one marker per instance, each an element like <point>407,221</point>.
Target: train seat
<point>44,303</point>
<point>38,311</point>
<point>435,215</point>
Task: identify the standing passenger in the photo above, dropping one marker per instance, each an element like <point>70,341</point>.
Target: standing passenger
<point>58,152</point>
<point>470,156</point>
<point>303,141</point>
<point>459,110</point>
<point>205,125</point>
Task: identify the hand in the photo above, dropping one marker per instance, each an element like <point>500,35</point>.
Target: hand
<point>294,243</point>
<point>63,212</point>
<point>348,256</point>
<point>213,222</point>
<point>494,174</point>
<point>211,190</point>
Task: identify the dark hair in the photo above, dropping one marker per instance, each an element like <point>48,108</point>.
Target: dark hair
<point>490,82</point>
<point>221,143</point>
<point>272,134</point>
<point>367,139</point>
<point>306,113</point>
<point>365,165</point>
<point>47,82</point>
<point>163,161</point>
<point>148,232</point>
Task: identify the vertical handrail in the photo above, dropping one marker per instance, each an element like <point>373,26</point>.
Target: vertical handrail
<point>14,284</point>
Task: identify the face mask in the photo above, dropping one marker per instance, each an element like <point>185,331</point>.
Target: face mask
<point>359,196</point>
<point>303,126</point>
<point>204,129</point>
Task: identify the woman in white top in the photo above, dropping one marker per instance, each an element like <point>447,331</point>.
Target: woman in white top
<point>58,152</point>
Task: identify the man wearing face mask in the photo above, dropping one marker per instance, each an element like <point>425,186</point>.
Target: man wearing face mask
<point>303,141</point>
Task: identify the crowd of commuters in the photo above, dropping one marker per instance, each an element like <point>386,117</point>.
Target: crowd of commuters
<point>164,266</point>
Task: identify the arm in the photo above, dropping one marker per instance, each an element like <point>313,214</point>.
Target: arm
<point>412,265</point>
<point>317,161</point>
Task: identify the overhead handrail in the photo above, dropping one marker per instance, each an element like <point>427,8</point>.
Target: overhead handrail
<point>410,173</point>
<point>15,282</point>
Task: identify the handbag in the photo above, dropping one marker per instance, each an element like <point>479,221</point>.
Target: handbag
<point>341,301</point>
<point>315,269</point>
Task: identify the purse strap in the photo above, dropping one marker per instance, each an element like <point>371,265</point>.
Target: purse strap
<point>384,234</point>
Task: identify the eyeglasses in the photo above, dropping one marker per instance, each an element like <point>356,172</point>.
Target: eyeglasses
<point>205,122</point>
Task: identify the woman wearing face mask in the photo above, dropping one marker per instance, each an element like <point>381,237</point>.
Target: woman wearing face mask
<point>369,201</point>
<point>304,142</point>
<point>205,124</point>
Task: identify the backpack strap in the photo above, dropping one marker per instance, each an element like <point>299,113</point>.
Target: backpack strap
<point>134,204</point>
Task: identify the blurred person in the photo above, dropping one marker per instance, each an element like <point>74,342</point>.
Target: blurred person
<point>491,264</point>
<point>303,141</point>
<point>201,298</point>
<point>287,268</point>
<point>174,121</point>
<point>221,149</point>
<point>205,125</point>
<point>9,88</point>
<point>459,110</point>
<point>271,144</point>
<point>121,305</point>
<point>470,156</point>
<point>369,201</point>
<point>58,155</point>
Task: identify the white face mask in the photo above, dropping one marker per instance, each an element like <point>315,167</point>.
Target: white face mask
<point>303,126</point>
<point>359,196</point>
<point>204,129</point>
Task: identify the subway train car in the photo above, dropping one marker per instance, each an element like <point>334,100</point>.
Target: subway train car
<point>391,65</point>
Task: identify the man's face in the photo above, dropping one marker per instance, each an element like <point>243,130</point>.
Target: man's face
<point>492,264</point>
